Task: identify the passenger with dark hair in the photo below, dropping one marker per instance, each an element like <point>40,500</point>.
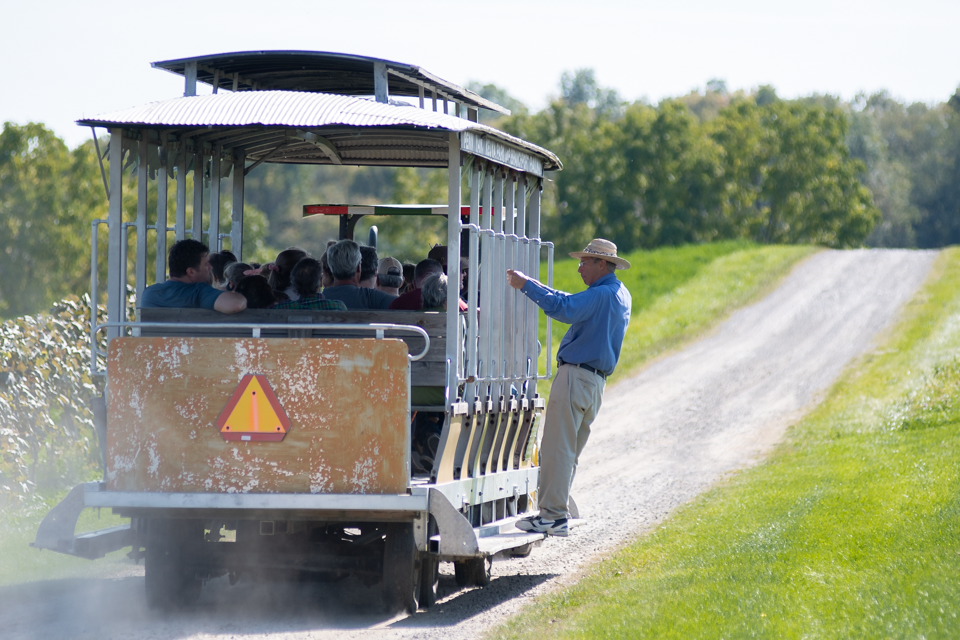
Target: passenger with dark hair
<point>408,271</point>
<point>368,267</point>
<point>327,278</point>
<point>305,279</point>
<point>257,291</point>
<point>237,271</point>
<point>344,261</point>
<point>413,300</point>
<point>439,253</point>
<point>279,275</point>
<point>190,280</point>
<point>219,262</point>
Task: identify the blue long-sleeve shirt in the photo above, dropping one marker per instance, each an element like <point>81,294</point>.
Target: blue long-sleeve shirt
<point>598,317</point>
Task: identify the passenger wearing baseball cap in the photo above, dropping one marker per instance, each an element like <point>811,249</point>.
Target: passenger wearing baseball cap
<point>598,319</point>
<point>390,276</point>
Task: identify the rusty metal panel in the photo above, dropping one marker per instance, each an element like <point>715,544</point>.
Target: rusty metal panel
<point>347,402</point>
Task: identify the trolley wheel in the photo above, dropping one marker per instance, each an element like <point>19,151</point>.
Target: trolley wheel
<point>522,551</point>
<point>429,579</point>
<point>475,572</point>
<point>169,580</point>
<point>401,570</point>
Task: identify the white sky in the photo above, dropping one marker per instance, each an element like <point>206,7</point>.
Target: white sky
<point>61,60</point>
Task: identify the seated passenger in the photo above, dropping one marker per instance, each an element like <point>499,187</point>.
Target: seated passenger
<point>257,291</point>
<point>344,261</point>
<point>428,425</point>
<point>408,271</point>
<point>389,276</point>
<point>219,262</point>
<point>327,279</point>
<point>189,285</point>
<point>237,271</point>
<point>305,278</point>
<point>368,267</point>
<point>413,300</point>
<point>279,274</point>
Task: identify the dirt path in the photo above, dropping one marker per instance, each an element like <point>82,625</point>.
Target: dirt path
<point>662,437</point>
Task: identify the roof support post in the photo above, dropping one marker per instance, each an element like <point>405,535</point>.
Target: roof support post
<point>421,95</point>
<point>434,100</point>
<point>116,290</point>
<point>454,339</point>
<point>198,167</point>
<point>190,79</point>
<point>213,237</point>
<point>161,268</point>
<point>380,86</point>
<point>236,227</point>
<point>143,178</point>
<point>181,223</point>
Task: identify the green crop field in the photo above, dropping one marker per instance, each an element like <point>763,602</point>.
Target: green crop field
<point>850,529</point>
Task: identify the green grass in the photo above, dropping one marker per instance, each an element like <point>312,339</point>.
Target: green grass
<point>851,529</point>
<point>20,563</point>
<point>681,292</point>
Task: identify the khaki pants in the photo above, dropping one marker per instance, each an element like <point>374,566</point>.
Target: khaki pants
<point>575,399</point>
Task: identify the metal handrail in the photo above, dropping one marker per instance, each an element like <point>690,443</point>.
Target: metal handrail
<point>255,328</point>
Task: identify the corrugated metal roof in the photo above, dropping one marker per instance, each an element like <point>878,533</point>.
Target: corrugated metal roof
<point>318,71</point>
<point>227,119</point>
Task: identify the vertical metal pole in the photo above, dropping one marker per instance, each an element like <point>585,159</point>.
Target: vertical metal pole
<point>434,100</point>
<point>115,288</point>
<point>236,228</point>
<point>486,289</point>
<point>181,223</point>
<point>198,168</point>
<point>190,79</point>
<point>94,295</point>
<point>469,394</point>
<point>421,96</point>
<point>161,262</point>
<point>454,339</point>
<point>213,238</point>
<point>380,86</point>
<point>498,282</point>
<point>523,303</point>
<point>533,318</point>
<point>143,178</point>
<point>509,297</point>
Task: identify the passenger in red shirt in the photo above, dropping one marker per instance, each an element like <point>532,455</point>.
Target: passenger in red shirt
<point>413,300</point>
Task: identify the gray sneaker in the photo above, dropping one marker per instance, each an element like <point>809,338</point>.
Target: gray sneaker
<point>537,524</point>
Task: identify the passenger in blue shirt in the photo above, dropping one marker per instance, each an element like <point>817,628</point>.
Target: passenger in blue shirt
<point>588,354</point>
<point>190,281</point>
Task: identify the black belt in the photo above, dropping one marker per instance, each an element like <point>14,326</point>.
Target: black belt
<point>560,363</point>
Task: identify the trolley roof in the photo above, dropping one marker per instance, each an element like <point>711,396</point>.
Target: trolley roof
<point>320,72</point>
<point>320,128</point>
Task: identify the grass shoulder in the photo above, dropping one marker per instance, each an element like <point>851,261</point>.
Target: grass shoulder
<point>850,529</point>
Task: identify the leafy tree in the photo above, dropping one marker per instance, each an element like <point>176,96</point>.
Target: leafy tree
<point>48,197</point>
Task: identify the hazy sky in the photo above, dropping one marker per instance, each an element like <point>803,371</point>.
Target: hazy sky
<point>65,60</point>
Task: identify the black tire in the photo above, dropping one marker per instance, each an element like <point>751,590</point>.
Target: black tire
<point>401,570</point>
<point>429,580</point>
<point>169,579</point>
<point>475,572</point>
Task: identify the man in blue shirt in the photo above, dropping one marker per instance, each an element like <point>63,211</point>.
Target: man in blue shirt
<point>189,284</point>
<point>588,354</point>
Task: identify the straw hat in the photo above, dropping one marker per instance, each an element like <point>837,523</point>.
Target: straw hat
<point>600,248</point>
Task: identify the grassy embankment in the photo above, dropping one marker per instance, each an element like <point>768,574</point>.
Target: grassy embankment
<point>851,529</point>
<point>677,294</point>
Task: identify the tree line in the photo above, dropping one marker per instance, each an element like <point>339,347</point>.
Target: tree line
<point>710,165</point>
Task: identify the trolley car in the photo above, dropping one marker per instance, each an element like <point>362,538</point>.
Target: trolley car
<point>313,475</point>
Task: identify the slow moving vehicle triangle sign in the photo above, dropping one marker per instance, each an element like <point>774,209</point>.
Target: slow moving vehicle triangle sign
<point>253,413</point>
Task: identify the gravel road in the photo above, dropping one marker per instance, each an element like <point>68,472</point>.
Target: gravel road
<point>662,437</point>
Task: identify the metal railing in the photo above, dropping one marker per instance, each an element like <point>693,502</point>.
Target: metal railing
<point>256,329</point>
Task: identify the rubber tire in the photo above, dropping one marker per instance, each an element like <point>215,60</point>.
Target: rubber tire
<point>401,570</point>
<point>169,583</point>
<point>475,572</point>
<point>429,580</point>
